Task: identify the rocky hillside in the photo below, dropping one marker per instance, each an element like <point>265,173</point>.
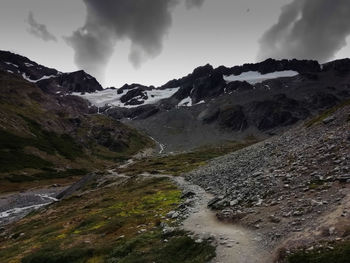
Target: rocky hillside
<point>48,79</point>
<point>292,189</point>
<point>214,105</point>
<point>45,136</point>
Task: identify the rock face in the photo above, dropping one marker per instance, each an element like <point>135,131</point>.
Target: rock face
<point>49,80</point>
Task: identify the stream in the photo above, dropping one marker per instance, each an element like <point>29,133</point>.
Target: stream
<point>15,206</point>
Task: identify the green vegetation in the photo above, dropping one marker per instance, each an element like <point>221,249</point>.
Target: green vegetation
<point>14,157</point>
<point>119,223</point>
<point>53,143</point>
<point>340,254</point>
<point>184,162</point>
<point>46,174</point>
<point>148,247</point>
<point>151,248</point>
<point>324,115</point>
<point>17,160</point>
<point>115,140</point>
<point>52,255</point>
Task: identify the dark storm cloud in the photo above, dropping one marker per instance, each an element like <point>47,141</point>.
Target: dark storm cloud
<point>145,23</point>
<point>194,3</point>
<point>39,30</point>
<point>313,29</point>
<point>93,48</point>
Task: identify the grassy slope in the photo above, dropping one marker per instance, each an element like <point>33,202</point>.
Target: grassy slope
<point>105,225</point>
<point>41,139</point>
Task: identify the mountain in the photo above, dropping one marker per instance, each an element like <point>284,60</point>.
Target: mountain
<point>215,105</point>
<point>45,136</point>
<point>208,106</point>
<point>48,79</point>
<point>268,141</point>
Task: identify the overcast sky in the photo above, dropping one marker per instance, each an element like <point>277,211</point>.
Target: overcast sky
<point>169,40</point>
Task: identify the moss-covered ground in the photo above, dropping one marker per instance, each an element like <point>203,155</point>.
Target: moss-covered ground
<point>332,253</point>
<point>115,223</point>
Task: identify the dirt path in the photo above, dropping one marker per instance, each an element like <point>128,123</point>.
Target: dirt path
<point>234,243</point>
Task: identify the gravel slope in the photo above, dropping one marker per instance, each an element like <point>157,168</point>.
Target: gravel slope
<point>286,184</point>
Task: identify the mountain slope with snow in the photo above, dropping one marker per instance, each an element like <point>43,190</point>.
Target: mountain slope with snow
<point>48,79</point>
<point>215,105</point>
<point>113,98</point>
<point>209,105</point>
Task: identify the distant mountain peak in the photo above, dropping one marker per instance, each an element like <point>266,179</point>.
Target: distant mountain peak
<point>48,79</point>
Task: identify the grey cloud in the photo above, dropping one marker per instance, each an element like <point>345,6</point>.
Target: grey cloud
<point>93,49</point>
<point>39,30</point>
<point>145,23</point>
<point>194,3</point>
<point>308,29</point>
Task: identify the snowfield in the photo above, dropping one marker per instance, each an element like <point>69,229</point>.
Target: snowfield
<point>255,77</point>
<point>112,98</point>
<point>187,102</point>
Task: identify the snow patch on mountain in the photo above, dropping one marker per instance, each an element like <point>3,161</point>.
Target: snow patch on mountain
<point>46,77</point>
<point>35,81</point>
<point>186,102</point>
<point>112,98</point>
<point>28,64</point>
<point>255,77</point>
<point>11,64</point>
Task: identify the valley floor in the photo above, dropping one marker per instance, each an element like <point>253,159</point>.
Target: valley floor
<point>286,199</point>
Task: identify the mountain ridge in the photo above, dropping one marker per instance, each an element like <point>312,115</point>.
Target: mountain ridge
<point>213,105</point>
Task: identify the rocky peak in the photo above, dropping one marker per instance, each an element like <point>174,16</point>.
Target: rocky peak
<point>24,67</point>
<point>340,66</point>
<point>48,79</point>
